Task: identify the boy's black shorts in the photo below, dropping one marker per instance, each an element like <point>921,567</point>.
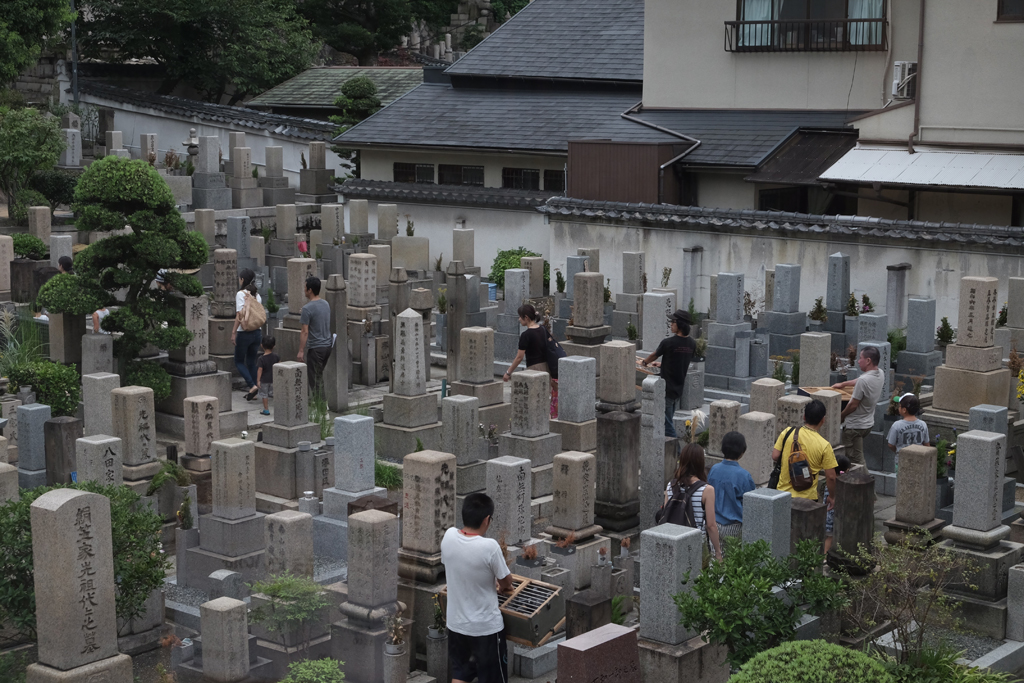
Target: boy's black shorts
<point>483,656</point>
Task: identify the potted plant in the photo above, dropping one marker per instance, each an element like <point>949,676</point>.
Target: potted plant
<point>818,315</point>
<point>602,556</point>
<point>437,629</point>
<point>186,535</point>
<point>565,546</point>
<point>944,334</point>
<point>852,312</point>
<point>624,547</point>
<point>289,610</point>
<point>171,485</point>
<point>396,650</point>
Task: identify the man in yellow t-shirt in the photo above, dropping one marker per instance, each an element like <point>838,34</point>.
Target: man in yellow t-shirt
<point>818,451</point>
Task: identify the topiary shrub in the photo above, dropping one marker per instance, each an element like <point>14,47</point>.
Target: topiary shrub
<point>812,661</point>
<point>114,193</point>
<point>147,373</point>
<point>57,186</point>
<point>63,292</point>
<point>510,259</point>
<point>18,210</point>
<point>29,246</point>
<point>139,565</point>
<point>55,385</point>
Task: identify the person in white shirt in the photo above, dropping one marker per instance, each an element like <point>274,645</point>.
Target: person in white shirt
<point>476,570</point>
<point>247,344</point>
<point>859,413</point>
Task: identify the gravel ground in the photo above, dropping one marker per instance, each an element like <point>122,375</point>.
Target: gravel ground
<point>973,644</point>
<point>186,596</point>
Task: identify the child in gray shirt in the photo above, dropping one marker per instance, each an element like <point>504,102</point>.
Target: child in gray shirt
<point>910,430</point>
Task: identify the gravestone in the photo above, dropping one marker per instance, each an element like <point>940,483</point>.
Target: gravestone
<point>667,552</point>
<point>99,460</point>
<point>73,556</point>
<point>724,418</point>
<point>915,495</point>
<point>815,359</point>
<point>577,384</point>
<point>202,426</point>
<point>97,406</point>
<point>289,540</point>
<point>209,190</point>
<point>766,517</point>
<point>608,653</point>
<point>758,429</point>
<point>573,503</point>
<point>652,450</point>
<point>476,377</point>
<point>225,629</point>
<point>509,486</point>
<point>32,445</point>
<point>657,309</point>
<point>765,394</point>
<point>134,422</point>
<point>920,358</point>
<point>353,479</point>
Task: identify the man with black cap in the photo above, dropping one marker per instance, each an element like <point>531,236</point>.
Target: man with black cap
<point>676,352</point>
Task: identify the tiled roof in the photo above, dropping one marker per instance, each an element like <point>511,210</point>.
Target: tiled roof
<point>439,116</point>
<point>319,87</point>
<point>739,137</point>
<point>427,193</point>
<point>579,39</point>
<point>238,117</point>
<point>837,227</point>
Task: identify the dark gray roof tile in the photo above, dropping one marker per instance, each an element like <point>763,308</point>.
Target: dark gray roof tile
<point>581,39</point>
<point>239,117</point>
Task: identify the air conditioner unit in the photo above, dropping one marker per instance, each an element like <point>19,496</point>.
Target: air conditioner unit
<point>904,80</point>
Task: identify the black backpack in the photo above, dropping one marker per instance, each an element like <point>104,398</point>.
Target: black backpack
<point>679,508</point>
<point>554,352</point>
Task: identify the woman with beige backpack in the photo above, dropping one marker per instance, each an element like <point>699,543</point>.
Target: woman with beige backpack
<point>246,331</point>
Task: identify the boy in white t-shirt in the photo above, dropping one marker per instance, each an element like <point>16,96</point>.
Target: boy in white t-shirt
<point>475,569</point>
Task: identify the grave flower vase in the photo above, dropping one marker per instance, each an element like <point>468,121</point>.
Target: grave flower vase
<point>396,664</point>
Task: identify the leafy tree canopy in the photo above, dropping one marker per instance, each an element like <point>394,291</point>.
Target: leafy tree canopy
<point>358,101</point>
<point>246,46</point>
<point>114,194</point>
<point>28,143</point>
<point>25,26</point>
<point>363,28</point>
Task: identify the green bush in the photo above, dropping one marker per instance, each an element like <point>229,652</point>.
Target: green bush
<point>510,259</point>
<point>18,210</point>
<point>733,603</point>
<point>139,565</point>
<point>29,246</point>
<point>55,385</point>
<point>897,339</point>
<point>63,293</point>
<point>812,661</point>
<point>315,671</point>
<point>295,603</point>
<point>147,373</point>
<point>57,186</point>
<point>386,476</point>
<point>28,143</point>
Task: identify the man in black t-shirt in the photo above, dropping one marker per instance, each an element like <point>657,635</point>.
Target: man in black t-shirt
<point>676,352</point>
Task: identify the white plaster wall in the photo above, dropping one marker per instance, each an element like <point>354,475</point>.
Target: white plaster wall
<point>172,130</point>
<point>495,229</point>
<point>686,65</point>
<point>935,271</point>
<point>378,164</point>
<point>986,209</point>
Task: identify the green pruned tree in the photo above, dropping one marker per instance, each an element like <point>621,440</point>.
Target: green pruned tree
<point>113,194</point>
<point>363,28</point>
<point>25,28</point>
<point>28,143</point>
<point>358,100</point>
<point>241,47</point>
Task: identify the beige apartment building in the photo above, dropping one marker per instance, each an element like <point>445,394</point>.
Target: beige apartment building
<point>934,91</point>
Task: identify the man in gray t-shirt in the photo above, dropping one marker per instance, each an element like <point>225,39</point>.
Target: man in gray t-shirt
<point>859,413</point>
<point>316,340</point>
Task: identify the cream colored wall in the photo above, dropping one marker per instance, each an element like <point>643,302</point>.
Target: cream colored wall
<point>972,87</point>
<point>887,124</point>
<point>725,190</point>
<point>935,270</point>
<point>378,164</point>
<point>686,65</point>
<point>870,207</point>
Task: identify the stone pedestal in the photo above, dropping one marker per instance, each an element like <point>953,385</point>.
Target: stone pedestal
<point>617,505</point>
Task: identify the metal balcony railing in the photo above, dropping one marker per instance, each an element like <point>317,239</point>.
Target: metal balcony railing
<point>828,35</point>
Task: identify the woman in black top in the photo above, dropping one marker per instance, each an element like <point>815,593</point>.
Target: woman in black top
<point>533,346</point>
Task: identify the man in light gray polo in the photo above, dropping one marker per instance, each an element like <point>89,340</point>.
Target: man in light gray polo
<point>859,414</point>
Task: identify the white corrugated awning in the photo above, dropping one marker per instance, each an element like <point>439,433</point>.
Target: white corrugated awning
<point>944,169</point>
